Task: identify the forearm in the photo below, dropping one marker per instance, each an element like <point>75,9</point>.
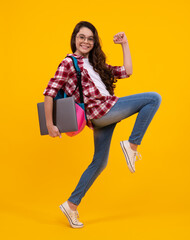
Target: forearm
<point>48,106</point>
<point>127,62</point>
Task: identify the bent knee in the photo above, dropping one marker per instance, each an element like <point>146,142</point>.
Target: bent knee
<point>156,97</point>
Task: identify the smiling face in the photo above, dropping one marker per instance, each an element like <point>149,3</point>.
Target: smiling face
<point>84,42</point>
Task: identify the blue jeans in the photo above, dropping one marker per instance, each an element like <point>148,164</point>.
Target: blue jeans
<point>146,104</point>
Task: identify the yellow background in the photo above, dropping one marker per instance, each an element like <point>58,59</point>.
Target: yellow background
<point>38,173</point>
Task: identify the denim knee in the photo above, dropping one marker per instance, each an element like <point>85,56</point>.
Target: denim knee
<point>102,165</point>
<point>156,97</point>
<point>100,169</point>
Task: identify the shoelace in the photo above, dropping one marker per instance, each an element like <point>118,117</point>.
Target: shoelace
<point>137,156</point>
<point>75,216</point>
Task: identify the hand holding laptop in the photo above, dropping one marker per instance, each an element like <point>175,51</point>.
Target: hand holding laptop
<point>54,131</point>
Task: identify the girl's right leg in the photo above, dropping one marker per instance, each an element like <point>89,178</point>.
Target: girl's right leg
<point>102,140</point>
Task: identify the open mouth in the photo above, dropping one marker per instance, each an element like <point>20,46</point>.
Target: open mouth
<point>85,47</point>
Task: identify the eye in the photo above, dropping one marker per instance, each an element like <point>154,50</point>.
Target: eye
<point>91,39</point>
<point>81,37</point>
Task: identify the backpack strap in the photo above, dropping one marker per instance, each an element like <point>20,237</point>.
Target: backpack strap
<point>75,63</point>
<point>61,93</point>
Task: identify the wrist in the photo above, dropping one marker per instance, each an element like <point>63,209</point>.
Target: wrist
<point>49,125</point>
<point>124,43</point>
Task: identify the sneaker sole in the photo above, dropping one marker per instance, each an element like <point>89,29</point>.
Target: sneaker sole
<point>69,219</point>
<point>127,157</point>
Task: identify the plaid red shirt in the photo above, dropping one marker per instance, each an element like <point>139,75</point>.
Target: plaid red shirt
<point>96,105</point>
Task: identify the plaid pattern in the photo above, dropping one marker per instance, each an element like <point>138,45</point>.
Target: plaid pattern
<point>96,105</point>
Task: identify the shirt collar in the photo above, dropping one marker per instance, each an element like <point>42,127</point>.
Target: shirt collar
<point>75,55</point>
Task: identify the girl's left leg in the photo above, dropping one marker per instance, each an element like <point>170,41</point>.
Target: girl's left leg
<point>145,104</point>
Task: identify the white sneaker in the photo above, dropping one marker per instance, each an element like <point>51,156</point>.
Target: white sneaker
<point>130,155</point>
<point>71,215</point>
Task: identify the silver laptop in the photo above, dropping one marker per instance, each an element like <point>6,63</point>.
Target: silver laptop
<point>64,115</point>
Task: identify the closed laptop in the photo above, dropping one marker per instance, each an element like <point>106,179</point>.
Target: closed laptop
<point>64,115</point>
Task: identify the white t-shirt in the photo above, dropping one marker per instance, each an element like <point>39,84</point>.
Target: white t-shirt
<point>95,78</point>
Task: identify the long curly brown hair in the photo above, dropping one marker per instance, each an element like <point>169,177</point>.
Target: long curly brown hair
<point>97,57</point>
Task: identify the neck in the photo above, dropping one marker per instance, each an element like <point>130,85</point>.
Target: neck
<point>83,55</point>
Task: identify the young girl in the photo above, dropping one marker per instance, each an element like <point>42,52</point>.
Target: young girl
<point>103,108</point>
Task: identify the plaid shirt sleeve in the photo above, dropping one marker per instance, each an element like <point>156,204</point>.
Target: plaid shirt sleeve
<point>60,78</point>
<point>118,71</point>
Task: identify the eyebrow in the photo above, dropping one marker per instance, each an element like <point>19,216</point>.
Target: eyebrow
<point>85,36</point>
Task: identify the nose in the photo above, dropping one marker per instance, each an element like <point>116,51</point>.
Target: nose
<point>86,40</point>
